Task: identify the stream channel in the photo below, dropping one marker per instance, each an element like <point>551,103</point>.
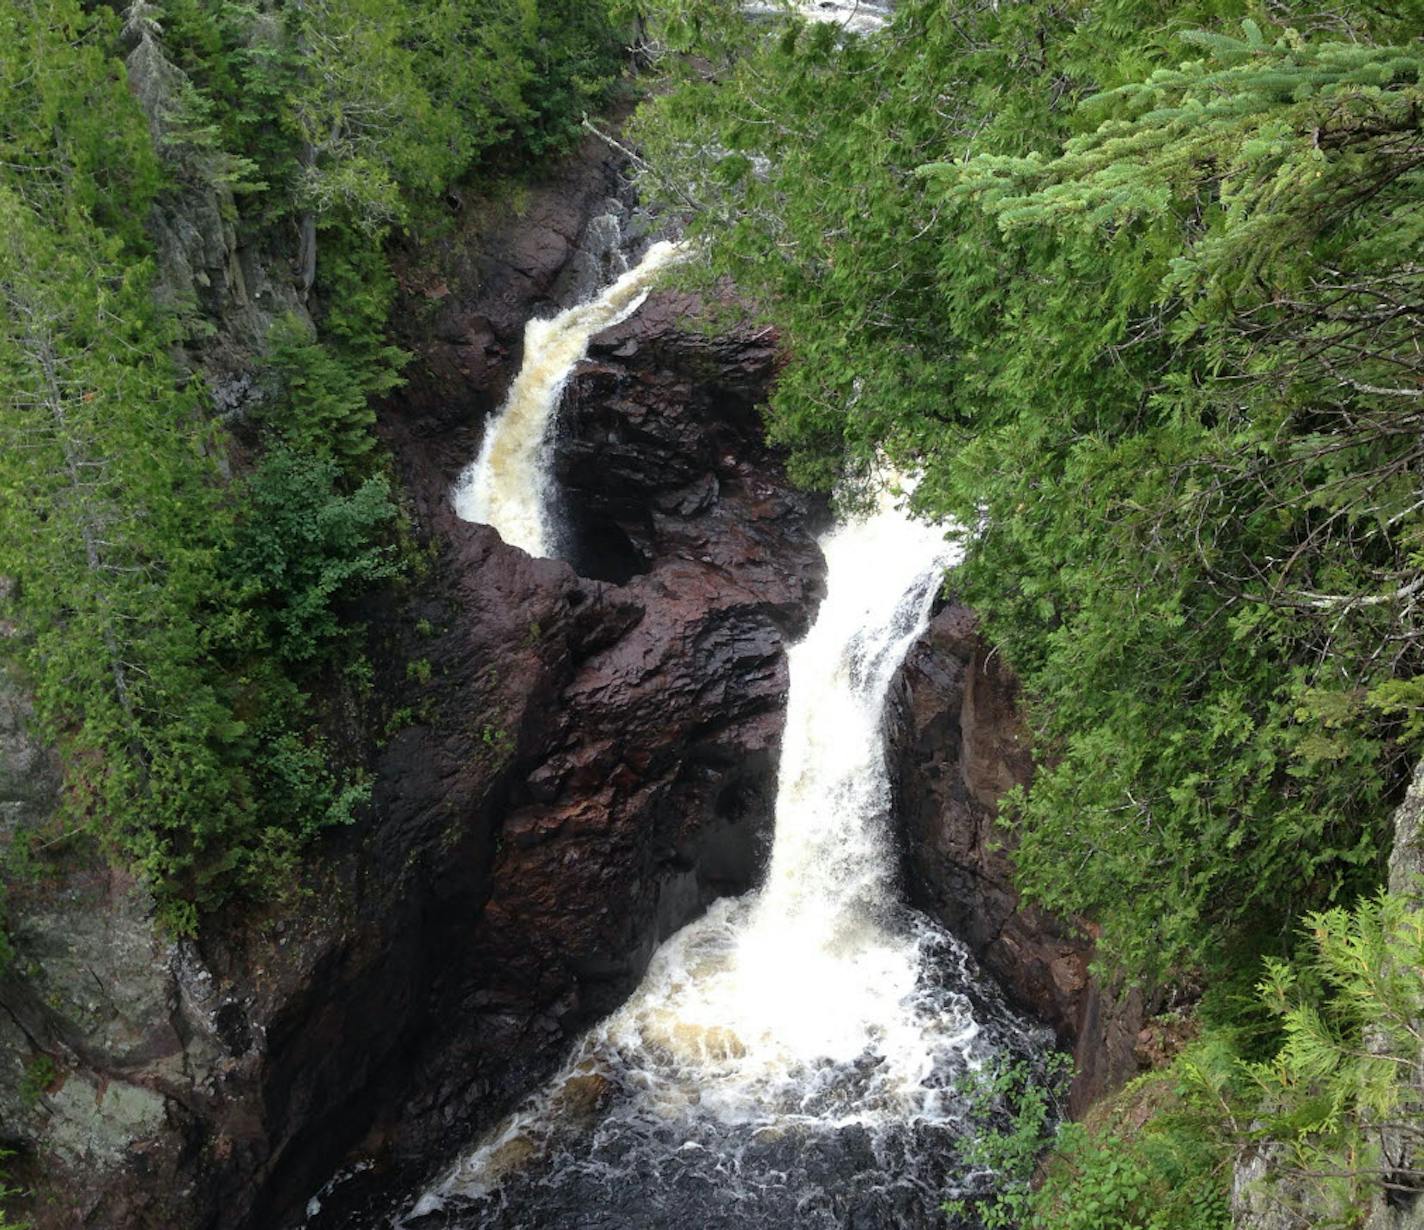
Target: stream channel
<point>797,1056</point>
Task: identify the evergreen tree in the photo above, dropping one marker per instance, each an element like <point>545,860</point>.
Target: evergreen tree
<point>1135,286</point>
<point>177,626</point>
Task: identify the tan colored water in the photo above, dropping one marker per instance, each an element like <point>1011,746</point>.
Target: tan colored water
<point>508,485</point>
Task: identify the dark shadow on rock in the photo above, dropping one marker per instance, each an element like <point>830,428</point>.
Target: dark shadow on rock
<point>959,743</point>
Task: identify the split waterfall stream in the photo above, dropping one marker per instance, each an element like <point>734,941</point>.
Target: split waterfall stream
<point>795,1056</point>
<point>509,486</point>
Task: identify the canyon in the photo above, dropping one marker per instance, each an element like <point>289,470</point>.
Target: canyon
<point>571,760</point>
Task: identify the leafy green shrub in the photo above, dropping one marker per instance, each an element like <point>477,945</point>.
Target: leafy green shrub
<point>303,548</point>
<point>297,780</point>
<point>1168,1173</point>
<point>1011,1115</point>
<point>318,406</point>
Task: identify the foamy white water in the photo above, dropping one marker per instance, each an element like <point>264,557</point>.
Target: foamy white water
<point>804,971</point>
<point>816,1005</point>
<point>855,16</point>
<point>509,485</point>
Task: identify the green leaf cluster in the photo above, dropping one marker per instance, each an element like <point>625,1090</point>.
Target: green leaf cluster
<point>1170,1174</point>
<point>1155,1156</point>
<point>1011,1114</point>
<point>1342,1095</point>
<point>303,548</point>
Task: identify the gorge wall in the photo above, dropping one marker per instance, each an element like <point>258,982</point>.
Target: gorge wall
<point>960,744</point>
<point>566,769</point>
<point>568,762</point>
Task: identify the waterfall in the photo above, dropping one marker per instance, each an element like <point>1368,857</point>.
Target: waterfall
<point>792,1056</point>
<point>508,485</point>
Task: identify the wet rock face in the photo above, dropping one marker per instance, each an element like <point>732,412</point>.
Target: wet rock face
<point>576,769</point>
<point>659,449</point>
<point>661,752</point>
<point>633,728</point>
<point>959,744</point>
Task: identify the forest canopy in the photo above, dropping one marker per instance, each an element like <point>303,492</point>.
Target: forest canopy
<point>1136,286</point>
<point>184,627</point>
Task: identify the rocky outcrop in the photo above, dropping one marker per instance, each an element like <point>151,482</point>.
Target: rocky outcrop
<point>565,767</point>
<point>29,776</point>
<point>210,268</point>
<point>960,744</point>
<point>1406,855</point>
<point>639,484</point>
<point>1404,1209</point>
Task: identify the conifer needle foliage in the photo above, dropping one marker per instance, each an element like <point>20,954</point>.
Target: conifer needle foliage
<point>1137,287</point>
<point>180,626</point>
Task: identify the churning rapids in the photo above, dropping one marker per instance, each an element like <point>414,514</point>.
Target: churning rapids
<point>853,16</point>
<point>796,1056</point>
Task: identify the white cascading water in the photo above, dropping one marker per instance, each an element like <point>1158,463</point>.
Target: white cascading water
<point>508,485</point>
<point>853,16</point>
<point>805,972</point>
<point>809,1015</point>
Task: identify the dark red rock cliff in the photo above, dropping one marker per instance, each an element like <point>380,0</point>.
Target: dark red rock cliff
<point>960,744</point>
<point>566,768</point>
